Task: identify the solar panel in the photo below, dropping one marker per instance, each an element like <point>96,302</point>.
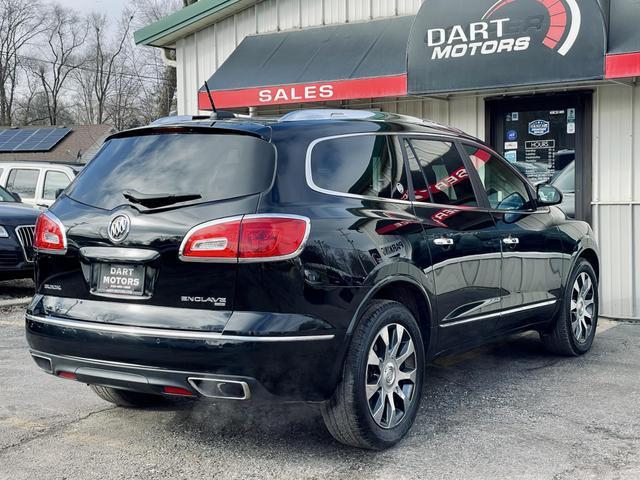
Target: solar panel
<point>31,139</point>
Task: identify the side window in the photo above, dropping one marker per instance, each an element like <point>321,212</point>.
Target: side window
<point>23,182</point>
<point>54,181</point>
<point>447,179</point>
<point>360,165</point>
<point>505,189</point>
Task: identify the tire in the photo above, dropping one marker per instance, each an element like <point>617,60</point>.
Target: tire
<point>566,337</point>
<point>126,398</point>
<point>349,414</point>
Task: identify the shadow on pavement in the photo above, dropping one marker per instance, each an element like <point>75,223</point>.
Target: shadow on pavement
<point>16,289</point>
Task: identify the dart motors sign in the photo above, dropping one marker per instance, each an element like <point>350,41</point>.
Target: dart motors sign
<point>458,45</point>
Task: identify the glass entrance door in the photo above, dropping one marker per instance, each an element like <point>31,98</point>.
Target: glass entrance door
<point>544,138</point>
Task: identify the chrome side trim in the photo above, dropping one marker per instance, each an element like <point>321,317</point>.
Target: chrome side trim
<point>499,314</point>
<point>167,333</point>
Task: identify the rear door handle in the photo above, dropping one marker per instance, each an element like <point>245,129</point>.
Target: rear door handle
<point>511,241</point>
<point>443,242</point>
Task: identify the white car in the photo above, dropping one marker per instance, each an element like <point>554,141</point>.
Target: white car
<point>37,183</point>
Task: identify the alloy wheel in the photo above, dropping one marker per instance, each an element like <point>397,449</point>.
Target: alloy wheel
<point>391,375</point>
<point>582,309</point>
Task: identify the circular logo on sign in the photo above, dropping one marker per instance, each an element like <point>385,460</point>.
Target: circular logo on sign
<point>512,136</point>
<point>119,228</point>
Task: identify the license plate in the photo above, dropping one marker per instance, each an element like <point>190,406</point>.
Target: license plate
<point>120,279</point>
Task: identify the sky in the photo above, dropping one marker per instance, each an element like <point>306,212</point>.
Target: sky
<point>111,7</point>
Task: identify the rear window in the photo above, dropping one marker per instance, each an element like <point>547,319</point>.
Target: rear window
<point>213,166</point>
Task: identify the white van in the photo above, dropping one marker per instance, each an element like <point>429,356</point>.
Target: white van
<point>37,182</point>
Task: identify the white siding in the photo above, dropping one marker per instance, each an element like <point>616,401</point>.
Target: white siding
<point>616,197</point>
<point>200,54</point>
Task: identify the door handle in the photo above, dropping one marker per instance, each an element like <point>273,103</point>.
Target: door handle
<point>443,242</point>
<point>511,241</point>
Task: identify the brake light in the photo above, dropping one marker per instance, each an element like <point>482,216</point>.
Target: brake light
<point>50,235</point>
<point>252,238</point>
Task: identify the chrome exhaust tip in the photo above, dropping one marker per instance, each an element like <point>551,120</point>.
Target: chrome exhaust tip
<point>221,388</point>
<point>43,362</point>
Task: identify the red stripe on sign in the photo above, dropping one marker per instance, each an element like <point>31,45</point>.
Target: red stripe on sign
<point>307,92</point>
<point>623,65</point>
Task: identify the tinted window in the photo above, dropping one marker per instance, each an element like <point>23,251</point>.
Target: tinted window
<point>54,181</point>
<point>448,182</point>
<point>213,166</point>
<point>417,176</point>
<point>360,165</point>
<point>23,182</point>
<point>6,196</point>
<point>505,189</point>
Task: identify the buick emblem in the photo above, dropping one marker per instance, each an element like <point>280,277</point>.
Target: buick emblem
<point>119,228</point>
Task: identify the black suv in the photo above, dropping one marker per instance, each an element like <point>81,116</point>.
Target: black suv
<point>325,256</point>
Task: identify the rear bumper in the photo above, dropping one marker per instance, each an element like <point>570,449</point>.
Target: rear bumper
<point>157,381</point>
<point>274,367</point>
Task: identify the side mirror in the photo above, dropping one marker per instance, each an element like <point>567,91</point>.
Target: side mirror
<point>59,192</point>
<point>16,196</point>
<point>548,195</point>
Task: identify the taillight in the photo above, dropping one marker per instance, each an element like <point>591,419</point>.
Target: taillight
<point>50,235</point>
<point>252,238</point>
<point>213,240</point>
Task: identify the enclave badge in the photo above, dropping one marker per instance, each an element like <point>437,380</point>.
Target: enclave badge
<point>119,228</point>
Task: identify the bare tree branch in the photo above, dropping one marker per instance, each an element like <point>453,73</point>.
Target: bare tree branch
<point>19,22</point>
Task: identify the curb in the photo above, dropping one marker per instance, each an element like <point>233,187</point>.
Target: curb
<point>15,301</point>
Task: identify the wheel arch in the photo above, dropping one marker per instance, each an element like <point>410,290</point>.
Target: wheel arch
<point>409,292</point>
<point>591,256</point>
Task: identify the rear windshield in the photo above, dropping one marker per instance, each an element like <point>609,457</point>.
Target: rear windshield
<point>211,166</point>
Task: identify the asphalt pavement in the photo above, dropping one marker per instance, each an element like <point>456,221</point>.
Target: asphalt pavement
<point>508,411</point>
<point>16,290</point>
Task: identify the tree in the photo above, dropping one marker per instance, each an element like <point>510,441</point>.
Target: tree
<point>162,90</point>
<point>66,33</point>
<point>19,23</point>
<point>103,59</point>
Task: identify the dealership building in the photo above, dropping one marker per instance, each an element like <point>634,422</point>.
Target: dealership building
<point>550,84</point>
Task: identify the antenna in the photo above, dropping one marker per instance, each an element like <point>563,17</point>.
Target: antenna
<point>214,113</point>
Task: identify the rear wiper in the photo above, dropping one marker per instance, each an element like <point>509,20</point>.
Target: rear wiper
<point>156,200</point>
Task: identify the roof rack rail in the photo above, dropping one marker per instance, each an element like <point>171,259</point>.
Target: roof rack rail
<point>329,114</point>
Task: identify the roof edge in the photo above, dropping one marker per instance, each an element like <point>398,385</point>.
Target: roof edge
<point>165,31</point>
